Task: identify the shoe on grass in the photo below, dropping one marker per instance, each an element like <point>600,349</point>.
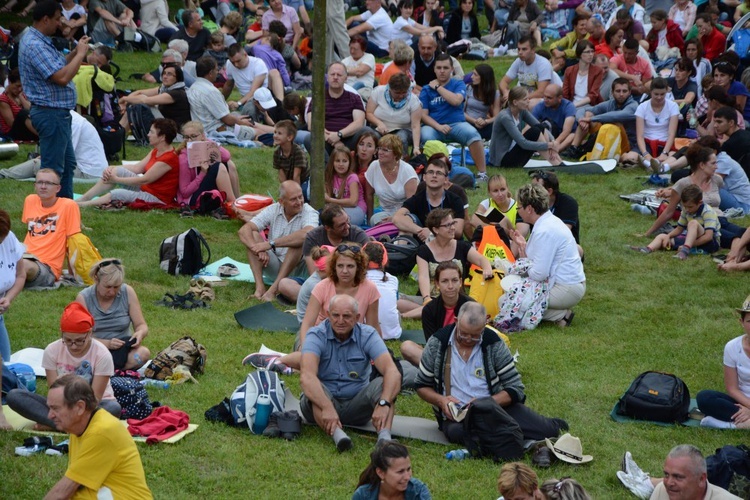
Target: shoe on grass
<point>267,361</point>
<point>481,177</point>
<point>631,468</point>
<point>542,457</point>
<point>641,488</point>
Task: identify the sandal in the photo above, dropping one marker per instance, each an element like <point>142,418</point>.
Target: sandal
<point>567,320</point>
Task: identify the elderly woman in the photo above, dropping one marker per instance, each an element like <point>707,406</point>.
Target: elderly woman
<point>12,277</point>
<point>393,109</point>
<point>160,169</point>
<point>170,98</point>
<point>552,252</point>
<point>388,475</point>
<point>582,81</point>
<point>390,178</point>
<point>360,66</point>
<point>14,111</point>
<point>118,320</point>
<point>221,176</point>
<point>75,352</point>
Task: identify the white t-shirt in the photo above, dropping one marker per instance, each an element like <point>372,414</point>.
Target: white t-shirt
<point>394,119</point>
<point>243,78</point>
<point>391,196</point>
<point>369,61</point>
<point>735,357</point>
<point>662,40</point>
<point>90,156</point>
<point>656,126</point>
<point>11,251</point>
<point>529,75</point>
<point>77,9</point>
<point>382,27</point>
<point>398,29</point>
<point>582,88</point>
<point>390,325</point>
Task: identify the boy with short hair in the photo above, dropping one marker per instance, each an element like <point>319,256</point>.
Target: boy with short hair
<point>217,50</point>
<point>289,159</point>
<point>697,227</point>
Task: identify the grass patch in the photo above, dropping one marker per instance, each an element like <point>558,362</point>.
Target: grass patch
<point>639,313</point>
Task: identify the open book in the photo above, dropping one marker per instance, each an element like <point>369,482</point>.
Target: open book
<point>458,412</point>
<point>203,153</point>
<point>493,216</point>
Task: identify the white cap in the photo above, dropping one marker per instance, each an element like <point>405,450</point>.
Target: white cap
<point>265,98</point>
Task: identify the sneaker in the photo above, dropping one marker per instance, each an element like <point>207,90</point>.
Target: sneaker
<point>682,253</point>
<point>268,362</point>
<point>344,444</point>
<point>186,212</point>
<point>734,213</point>
<point>654,166</point>
<point>631,468</point>
<point>156,47</point>
<point>500,51</point>
<point>58,450</point>
<point>481,177</point>
<point>542,457</point>
<point>640,249</point>
<point>571,152</point>
<point>642,488</point>
<point>512,53</point>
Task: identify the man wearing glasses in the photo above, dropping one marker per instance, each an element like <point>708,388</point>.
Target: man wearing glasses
<point>464,362</point>
<point>49,222</point>
<point>76,352</point>
<point>412,216</point>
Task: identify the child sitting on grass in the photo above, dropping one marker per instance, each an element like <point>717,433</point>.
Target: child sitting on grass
<point>698,227</point>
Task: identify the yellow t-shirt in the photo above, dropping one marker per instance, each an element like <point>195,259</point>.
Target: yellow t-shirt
<point>47,229</point>
<point>106,455</point>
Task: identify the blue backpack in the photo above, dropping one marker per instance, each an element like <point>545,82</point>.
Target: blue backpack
<point>243,399</point>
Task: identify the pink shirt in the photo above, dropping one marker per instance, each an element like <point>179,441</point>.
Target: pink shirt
<point>190,179</point>
<point>351,179</point>
<point>57,358</point>
<point>288,16</point>
<point>640,68</point>
<point>367,293</point>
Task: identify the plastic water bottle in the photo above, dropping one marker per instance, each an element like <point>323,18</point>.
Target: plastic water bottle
<point>162,384</point>
<point>641,209</point>
<point>691,117</point>
<point>262,412</point>
<point>457,454</point>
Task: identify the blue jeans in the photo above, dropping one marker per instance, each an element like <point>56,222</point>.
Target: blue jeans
<point>56,144</point>
<point>717,404</point>
<point>729,231</point>
<point>501,16</point>
<point>461,132</point>
<point>728,200</point>
<point>375,50</point>
<point>4,341</point>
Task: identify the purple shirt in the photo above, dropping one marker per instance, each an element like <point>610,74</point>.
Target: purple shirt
<point>288,17</point>
<point>273,60</point>
<point>340,112</point>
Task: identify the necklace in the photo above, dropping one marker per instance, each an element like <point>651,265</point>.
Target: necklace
<point>658,116</point>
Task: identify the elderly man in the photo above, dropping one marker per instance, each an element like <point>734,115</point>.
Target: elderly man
<point>337,359</point>
<point>345,113</point>
<point>104,461</point>
<point>423,66</point>
<point>177,57</point>
<point>559,112</point>
<point>193,32</point>
<point>467,346</point>
<point>685,478</point>
<point>288,221</point>
<point>47,78</point>
<point>443,113</point>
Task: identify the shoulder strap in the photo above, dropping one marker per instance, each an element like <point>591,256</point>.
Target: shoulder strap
<point>447,371</point>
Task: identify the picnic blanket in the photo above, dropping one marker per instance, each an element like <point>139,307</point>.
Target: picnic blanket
<point>689,422</point>
<point>574,167</point>
<point>246,274</point>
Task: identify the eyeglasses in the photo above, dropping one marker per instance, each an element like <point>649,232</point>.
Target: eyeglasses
<point>106,263</point>
<point>438,173</point>
<point>191,137</point>
<point>76,343</point>
<point>450,224</point>
<point>467,338</point>
<point>344,248</point>
<point>46,183</point>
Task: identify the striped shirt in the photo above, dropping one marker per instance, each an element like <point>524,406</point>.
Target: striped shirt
<point>38,60</point>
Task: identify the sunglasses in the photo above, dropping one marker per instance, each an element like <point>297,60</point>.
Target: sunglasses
<point>344,248</point>
<point>540,174</point>
<point>106,263</point>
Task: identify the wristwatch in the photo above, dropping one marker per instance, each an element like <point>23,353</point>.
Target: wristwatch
<point>384,402</point>
<point>341,136</point>
<point>273,244</point>
<point>436,87</point>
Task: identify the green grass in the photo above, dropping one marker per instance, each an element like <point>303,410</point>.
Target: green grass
<point>640,313</point>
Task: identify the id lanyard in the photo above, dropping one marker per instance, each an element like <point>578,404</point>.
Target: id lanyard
<point>430,207</point>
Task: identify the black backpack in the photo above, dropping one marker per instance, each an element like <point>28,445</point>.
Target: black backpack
<point>657,396</point>
<point>402,254</point>
<point>183,253</point>
<point>729,468</point>
<point>132,397</point>
<point>492,433</point>
<point>140,118</point>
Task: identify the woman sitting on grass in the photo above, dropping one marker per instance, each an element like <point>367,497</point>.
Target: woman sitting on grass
<point>501,200</point>
<point>170,97</point>
<point>731,410</point>
<point>388,475</point>
<point>14,111</point>
<point>75,352</point>
<point>118,320</point>
<point>221,176</point>
<point>160,169</point>
<point>517,134</point>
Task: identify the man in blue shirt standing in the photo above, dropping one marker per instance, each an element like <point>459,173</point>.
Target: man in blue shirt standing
<point>443,113</point>
<point>335,375</point>
<point>47,78</point>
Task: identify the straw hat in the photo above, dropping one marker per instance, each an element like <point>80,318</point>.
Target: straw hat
<point>568,449</point>
<point>745,306</point>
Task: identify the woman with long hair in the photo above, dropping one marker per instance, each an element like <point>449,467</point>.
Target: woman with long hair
<point>694,51</point>
<point>482,100</point>
<point>463,23</point>
<point>582,81</point>
<point>612,44</point>
<point>517,134</point>
<point>390,178</point>
<point>389,475</point>
<point>365,153</point>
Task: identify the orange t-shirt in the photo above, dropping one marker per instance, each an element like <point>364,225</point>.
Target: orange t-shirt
<point>391,70</point>
<point>164,188</point>
<point>48,228</point>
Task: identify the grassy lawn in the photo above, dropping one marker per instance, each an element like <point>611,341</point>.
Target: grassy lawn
<point>640,313</point>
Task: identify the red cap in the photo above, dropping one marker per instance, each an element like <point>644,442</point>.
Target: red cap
<point>76,319</point>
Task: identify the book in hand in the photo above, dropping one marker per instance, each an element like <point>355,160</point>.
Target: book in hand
<point>203,154</point>
<point>458,412</point>
<point>493,216</point>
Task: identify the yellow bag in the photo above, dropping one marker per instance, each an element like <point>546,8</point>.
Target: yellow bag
<point>608,143</point>
<point>486,292</point>
<point>82,255</point>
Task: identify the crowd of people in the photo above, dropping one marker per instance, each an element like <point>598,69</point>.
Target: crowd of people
<point>660,77</point>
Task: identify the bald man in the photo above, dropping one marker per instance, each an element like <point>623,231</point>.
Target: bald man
<point>559,113</point>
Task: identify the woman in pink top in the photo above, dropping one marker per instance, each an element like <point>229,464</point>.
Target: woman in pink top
<point>75,352</point>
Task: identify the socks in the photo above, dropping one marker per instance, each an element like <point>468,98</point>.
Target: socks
<point>137,37</point>
<point>384,435</point>
<point>338,435</point>
<point>715,423</point>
